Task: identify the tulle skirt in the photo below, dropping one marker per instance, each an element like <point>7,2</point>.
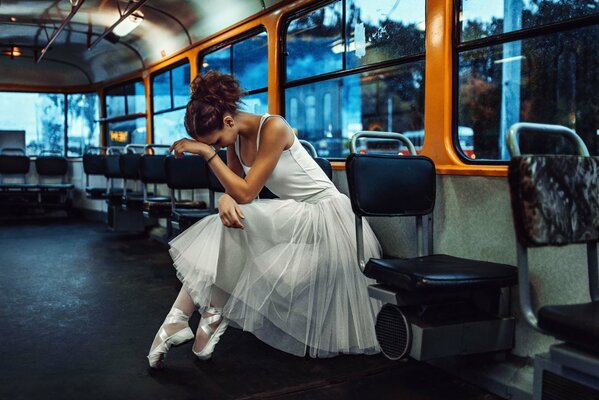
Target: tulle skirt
<point>291,274</point>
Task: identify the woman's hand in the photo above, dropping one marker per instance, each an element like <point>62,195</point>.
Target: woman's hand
<point>190,146</point>
<point>229,212</point>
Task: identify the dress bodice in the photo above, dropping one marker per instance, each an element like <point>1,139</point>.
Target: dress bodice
<point>296,176</point>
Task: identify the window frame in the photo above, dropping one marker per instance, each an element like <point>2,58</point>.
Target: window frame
<point>172,108</point>
<point>65,117</point>
<point>126,116</point>
<point>458,47</point>
<point>286,84</point>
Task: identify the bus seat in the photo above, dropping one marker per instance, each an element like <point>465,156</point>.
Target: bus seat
<point>429,299</point>
<point>186,173</point>
<point>94,164</point>
<point>53,194</point>
<point>151,171</point>
<point>533,138</point>
<point>555,202</point>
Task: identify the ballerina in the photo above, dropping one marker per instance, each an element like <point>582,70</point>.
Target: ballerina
<point>284,269</point>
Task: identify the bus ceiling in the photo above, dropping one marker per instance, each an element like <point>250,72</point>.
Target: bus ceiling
<point>82,42</point>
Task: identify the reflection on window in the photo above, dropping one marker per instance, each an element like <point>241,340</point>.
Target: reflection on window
<point>40,115</point>
<point>390,99</point>
<point>547,79</point>
<point>161,92</point>
<point>384,30</point>
<point>482,18</point>
<point>82,131</point>
<point>124,132</point>
<point>315,43</point>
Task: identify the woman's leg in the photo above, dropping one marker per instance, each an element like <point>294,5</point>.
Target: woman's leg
<point>218,299</point>
<point>184,303</point>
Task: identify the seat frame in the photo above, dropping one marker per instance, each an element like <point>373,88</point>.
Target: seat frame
<point>491,331</point>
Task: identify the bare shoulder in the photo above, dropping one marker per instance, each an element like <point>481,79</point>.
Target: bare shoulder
<point>276,131</point>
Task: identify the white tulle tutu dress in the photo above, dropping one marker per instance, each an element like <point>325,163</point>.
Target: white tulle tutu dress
<point>292,272</point>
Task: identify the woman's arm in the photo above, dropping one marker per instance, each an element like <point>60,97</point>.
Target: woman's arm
<point>233,162</point>
<point>273,140</point>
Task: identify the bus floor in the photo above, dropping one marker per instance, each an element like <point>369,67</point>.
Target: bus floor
<point>80,306</point>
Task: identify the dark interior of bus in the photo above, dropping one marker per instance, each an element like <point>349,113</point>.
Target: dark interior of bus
<point>464,134</point>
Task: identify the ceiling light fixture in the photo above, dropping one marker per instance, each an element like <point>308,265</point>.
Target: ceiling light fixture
<point>128,24</point>
<point>13,19</point>
<point>14,51</point>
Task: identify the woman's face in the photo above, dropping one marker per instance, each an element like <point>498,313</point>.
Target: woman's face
<point>224,137</point>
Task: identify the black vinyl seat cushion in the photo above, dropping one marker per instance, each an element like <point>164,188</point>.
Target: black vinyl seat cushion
<point>56,186</point>
<point>184,214</point>
<point>22,187</point>
<point>439,271</point>
<point>573,323</point>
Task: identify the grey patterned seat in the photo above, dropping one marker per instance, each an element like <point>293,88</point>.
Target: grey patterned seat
<point>555,202</point>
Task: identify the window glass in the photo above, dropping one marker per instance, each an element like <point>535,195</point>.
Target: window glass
<point>255,103</point>
<point>390,99</point>
<point>136,98</point>
<point>171,91</point>
<point>83,131</point>
<point>546,79</point>
<point>169,127</point>
<point>161,92</point>
<point>219,60</point>
<point>482,18</point>
<point>250,62</point>
<point>115,102</point>
<point>180,79</point>
<point>40,116</point>
<point>384,30</point>
<point>315,43</point>
<point>124,132</point>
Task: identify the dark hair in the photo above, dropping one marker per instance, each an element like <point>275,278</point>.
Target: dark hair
<point>212,96</point>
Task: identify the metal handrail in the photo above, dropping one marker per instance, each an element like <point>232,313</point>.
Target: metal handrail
<point>112,149</point>
<point>16,149</point>
<point>381,135</point>
<point>309,147</point>
<point>132,146</point>
<point>513,136</point>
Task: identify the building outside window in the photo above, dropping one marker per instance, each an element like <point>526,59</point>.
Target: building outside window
<point>525,61</point>
<point>355,65</point>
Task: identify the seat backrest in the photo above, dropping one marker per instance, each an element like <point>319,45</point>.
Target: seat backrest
<point>325,165</point>
<point>14,164</point>
<point>129,165</point>
<point>189,172</point>
<point>51,166</point>
<point>94,164</point>
<point>112,168</point>
<point>151,169</point>
<point>214,183</point>
<point>391,185</point>
<point>555,199</point>
<point>532,138</point>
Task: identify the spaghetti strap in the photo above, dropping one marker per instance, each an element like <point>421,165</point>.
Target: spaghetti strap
<point>262,121</point>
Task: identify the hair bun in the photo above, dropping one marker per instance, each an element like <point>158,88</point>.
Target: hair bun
<point>212,96</point>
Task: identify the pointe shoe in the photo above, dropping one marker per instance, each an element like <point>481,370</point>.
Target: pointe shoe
<point>158,354</point>
<point>213,334</point>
